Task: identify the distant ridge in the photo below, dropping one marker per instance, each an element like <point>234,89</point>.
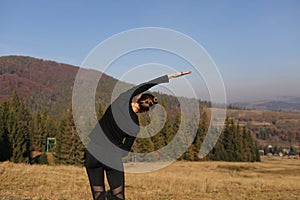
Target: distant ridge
<point>284,103</point>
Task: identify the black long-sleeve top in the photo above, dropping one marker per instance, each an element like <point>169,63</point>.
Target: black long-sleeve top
<point>120,123</point>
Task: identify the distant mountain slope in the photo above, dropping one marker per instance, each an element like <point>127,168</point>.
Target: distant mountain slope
<point>270,127</point>
<point>48,85</point>
<point>288,104</point>
<point>42,84</point>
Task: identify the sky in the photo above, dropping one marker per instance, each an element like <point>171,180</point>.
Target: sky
<point>254,44</point>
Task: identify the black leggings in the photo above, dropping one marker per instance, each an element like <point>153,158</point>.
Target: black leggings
<point>115,178</point>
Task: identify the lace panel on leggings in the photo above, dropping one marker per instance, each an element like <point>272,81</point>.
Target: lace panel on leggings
<point>97,191</point>
<point>118,192</point>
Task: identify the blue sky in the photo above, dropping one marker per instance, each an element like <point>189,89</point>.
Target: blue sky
<point>255,44</point>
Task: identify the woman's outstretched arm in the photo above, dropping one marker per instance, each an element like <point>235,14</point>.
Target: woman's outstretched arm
<point>163,79</point>
<point>129,94</point>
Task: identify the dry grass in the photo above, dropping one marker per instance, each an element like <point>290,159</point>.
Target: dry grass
<point>273,178</point>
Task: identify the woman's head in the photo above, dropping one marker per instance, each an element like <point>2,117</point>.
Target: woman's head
<point>146,101</point>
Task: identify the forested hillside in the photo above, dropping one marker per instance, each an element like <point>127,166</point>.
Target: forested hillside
<point>270,127</point>
<point>23,133</point>
<point>35,104</point>
<point>42,84</point>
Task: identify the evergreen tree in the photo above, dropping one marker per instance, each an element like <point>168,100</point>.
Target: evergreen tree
<point>50,126</point>
<point>218,151</point>
<point>189,154</point>
<point>160,139</point>
<point>5,146</point>
<point>235,145</point>
<point>202,129</point>
<point>19,121</point>
<point>37,130</point>
<point>44,126</point>
<point>59,150</point>
<point>228,133</point>
<point>257,154</point>
<point>144,145</point>
<point>246,145</point>
<point>69,148</point>
<point>167,131</point>
<point>252,150</point>
<point>238,144</point>
<point>176,142</point>
<point>44,132</point>
<point>201,132</point>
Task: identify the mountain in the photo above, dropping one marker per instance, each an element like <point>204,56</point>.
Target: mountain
<point>284,103</point>
<point>42,84</point>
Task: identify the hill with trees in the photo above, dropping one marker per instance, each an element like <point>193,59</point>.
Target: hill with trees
<point>43,84</point>
<point>277,128</point>
<point>35,104</point>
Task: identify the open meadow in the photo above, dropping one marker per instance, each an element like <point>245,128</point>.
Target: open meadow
<point>273,178</point>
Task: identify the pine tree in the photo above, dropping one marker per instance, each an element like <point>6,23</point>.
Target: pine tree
<point>185,138</point>
<point>43,133</point>
<point>159,140</point>
<point>238,144</point>
<point>69,148</point>
<point>19,121</point>
<point>58,153</point>
<point>219,152</point>
<point>257,154</point>
<point>37,129</point>
<point>202,129</point>
<point>249,146</point>
<point>50,127</point>
<point>228,133</point>
<point>44,126</point>
<point>200,135</point>
<point>144,145</point>
<point>235,145</point>
<point>176,143</point>
<point>168,131</point>
<point>5,146</point>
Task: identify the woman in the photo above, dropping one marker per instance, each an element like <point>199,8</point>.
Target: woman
<point>114,135</point>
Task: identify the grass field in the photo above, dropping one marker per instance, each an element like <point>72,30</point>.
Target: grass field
<point>273,178</point>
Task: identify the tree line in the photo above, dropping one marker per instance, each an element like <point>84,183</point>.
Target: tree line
<point>235,144</point>
<point>23,132</point>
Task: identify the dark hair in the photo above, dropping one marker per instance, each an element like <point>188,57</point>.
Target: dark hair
<point>145,101</point>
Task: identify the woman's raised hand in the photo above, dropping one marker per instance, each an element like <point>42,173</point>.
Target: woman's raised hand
<point>178,74</point>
